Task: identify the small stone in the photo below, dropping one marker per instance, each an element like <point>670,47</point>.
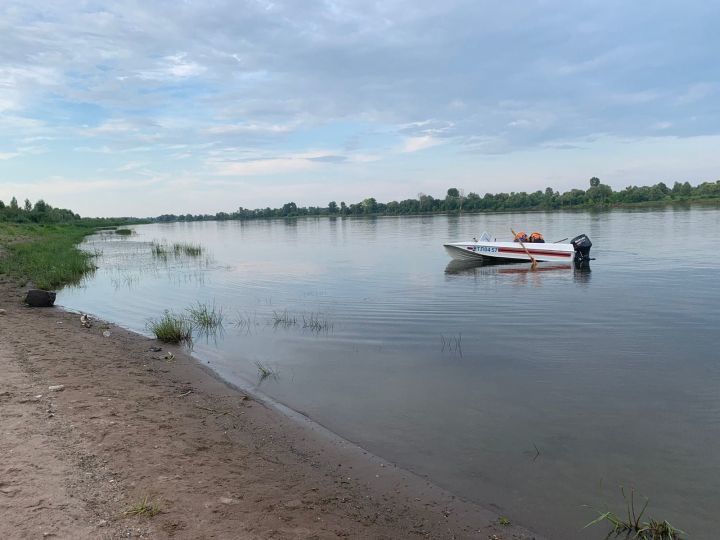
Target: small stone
<point>295,503</point>
<point>106,333</point>
<point>57,388</point>
<point>227,500</point>
<point>2,312</point>
<point>102,523</point>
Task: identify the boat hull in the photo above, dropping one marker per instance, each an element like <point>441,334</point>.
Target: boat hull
<point>509,252</point>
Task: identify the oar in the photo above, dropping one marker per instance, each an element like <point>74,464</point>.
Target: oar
<point>534,262</point>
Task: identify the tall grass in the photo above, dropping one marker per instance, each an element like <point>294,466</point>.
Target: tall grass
<point>123,232</point>
<point>171,328</point>
<point>163,249</point>
<point>45,255</point>
<point>206,317</point>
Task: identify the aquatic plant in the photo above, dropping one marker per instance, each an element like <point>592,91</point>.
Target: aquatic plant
<point>451,343</point>
<point>316,323</point>
<point>205,317</point>
<point>633,524</point>
<point>171,328</point>
<point>123,232</point>
<point>283,318</point>
<point>143,507</point>
<point>265,371</point>
<point>191,250</point>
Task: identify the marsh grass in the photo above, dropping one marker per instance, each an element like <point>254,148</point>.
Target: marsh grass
<point>283,319</point>
<point>632,525</point>
<point>45,255</point>
<point>171,328</point>
<point>190,250</point>
<point>144,508</point>
<point>178,249</point>
<point>246,322</point>
<point>206,317</point>
<point>123,232</point>
<point>266,371</point>
<point>315,322</point>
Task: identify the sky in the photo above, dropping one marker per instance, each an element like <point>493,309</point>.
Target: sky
<point>150,107</point>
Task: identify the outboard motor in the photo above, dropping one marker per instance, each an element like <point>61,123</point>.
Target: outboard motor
<point>582,245</point>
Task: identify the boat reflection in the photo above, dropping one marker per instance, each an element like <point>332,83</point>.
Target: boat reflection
<point>480,269</point>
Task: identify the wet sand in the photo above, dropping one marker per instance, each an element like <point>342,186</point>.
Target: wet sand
<point>131,424</point>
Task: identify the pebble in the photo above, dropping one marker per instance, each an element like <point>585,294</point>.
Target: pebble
<point>2,312</point>
<point>227,500</point>
<point>57,388</point>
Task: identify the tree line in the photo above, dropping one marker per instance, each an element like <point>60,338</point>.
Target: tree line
<point>42,213</point>
<point>598,195</point>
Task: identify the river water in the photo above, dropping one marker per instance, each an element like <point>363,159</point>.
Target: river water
<point>537,393</point>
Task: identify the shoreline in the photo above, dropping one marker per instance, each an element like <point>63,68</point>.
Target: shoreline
<point>218,460</point>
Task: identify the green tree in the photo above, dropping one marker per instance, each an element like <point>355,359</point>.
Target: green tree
<point>28,205</point>
<point>594,181</point>
<point>332,207</point>
<point>13,204</point>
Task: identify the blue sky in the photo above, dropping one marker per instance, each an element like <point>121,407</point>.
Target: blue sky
<point>142,108</point>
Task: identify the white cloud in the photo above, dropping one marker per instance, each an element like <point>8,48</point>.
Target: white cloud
<point>415,144</point>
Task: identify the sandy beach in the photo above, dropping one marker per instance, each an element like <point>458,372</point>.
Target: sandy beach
<point>130,425</point>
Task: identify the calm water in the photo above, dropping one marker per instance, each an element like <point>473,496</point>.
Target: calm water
<point>462,373</point>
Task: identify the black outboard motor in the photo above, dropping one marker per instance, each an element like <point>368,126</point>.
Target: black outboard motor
<point>582,245</point>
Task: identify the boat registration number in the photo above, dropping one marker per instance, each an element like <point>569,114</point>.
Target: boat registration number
<point>485,249</point>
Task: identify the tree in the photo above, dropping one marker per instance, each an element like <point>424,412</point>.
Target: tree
<point>332,207</point>
<point>2,205</point>
<point>13,204</point>
<point>594,181</point>
<point>453,193</point>
<point>289,209</point>
<point>369,205</point>
<point>28,205</point>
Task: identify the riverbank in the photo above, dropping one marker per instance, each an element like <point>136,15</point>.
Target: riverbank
<point>131,425</point>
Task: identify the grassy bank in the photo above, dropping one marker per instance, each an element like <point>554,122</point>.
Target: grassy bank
<point>45,255</point>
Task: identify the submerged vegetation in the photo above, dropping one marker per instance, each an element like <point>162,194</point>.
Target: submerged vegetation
<point>163,249</point>
<point>632,526</point>
<point>265,371</point>
<point>598,195</point>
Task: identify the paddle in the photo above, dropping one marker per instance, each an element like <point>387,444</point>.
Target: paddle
<point>534,262</point>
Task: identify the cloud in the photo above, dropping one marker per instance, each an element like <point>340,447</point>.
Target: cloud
<point>415,144</point>
<point>253,89</point>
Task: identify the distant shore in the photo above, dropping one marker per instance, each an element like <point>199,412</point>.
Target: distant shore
<point>135,430</point>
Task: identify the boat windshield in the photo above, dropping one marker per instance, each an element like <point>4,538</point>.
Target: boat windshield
<point>485,237</point>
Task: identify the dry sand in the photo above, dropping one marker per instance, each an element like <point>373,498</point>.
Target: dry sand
<point>218,463</point>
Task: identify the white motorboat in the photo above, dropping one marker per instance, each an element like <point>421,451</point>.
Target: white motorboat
<point>487,249</point>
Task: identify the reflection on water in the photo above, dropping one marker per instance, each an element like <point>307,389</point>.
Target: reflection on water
<point>535,391</point>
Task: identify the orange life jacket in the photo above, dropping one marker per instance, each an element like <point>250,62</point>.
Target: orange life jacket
<point>536,237</point>
<point>521,237</point>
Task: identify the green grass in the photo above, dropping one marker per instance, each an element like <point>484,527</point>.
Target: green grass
<point>632,526</point>
<point>123,232</point>
<point>206,317</point>
<point>185,248</point>
<point>171,328</point>
<point>144,508</point>
<point>44,255</point>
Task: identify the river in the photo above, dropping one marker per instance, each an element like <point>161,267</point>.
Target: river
<point>538,393</point>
